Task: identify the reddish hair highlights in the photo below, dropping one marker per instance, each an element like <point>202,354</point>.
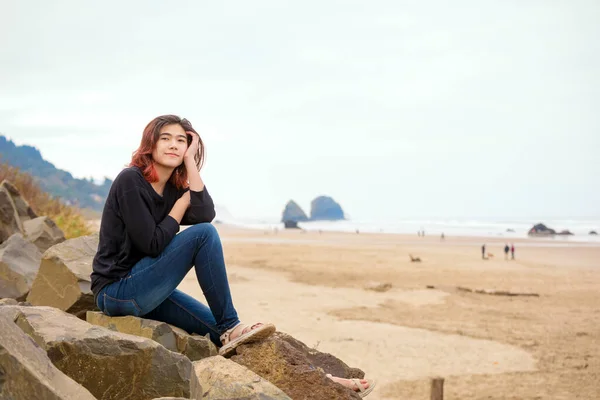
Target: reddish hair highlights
<point>142,157</point>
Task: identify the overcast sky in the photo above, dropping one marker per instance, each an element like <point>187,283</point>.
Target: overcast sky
<point>481,109</point>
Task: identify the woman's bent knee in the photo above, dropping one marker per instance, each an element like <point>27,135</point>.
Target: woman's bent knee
<point>205,229</point>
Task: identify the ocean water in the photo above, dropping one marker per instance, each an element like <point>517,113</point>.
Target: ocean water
<point>450,227</point>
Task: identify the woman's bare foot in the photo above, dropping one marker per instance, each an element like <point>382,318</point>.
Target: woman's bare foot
<point>349,383</point>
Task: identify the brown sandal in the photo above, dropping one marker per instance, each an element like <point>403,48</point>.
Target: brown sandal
<point>249,334</point>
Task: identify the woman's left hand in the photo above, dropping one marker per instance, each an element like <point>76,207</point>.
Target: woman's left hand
<point>192,150</point>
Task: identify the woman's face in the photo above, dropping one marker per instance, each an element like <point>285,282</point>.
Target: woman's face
<point>171,146</point>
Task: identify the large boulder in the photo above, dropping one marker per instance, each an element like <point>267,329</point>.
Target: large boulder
<point>293,212</point>
<point>217,378</point>
<point>194,347</point>
<point>325,208</point>
<point>63,280</point>
<point>26,372</point>
<point>541,230</point>
<point>293,367</point>
<point>111,365</point>
<point>22,208</point>
<point>19,263</point>
<point>43,232</point>
<point>9,218</point>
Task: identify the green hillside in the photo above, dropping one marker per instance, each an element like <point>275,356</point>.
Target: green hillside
<point>59,183</point>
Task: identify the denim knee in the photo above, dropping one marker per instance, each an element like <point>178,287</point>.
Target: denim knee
<point>203,230</point>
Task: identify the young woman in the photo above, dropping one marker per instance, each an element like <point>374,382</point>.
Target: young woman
<point>141,259</point>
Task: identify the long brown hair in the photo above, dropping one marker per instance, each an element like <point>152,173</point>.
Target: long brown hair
<point>142,157</point>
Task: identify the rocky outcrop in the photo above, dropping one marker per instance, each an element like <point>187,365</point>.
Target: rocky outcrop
<point>217,378</point>
<point>26,372</point>
<point>293,212</point>
<point>114,365</point>
<point>541,230</point>
<point>9,219</point>
<point>593,233</point>
<point>43,232</point>
<point>565,232</point>
<point>290,225</point>
<point>325,208</point>
<point>194,347</point>
<point>19,263</point>
<point>16,216</point>
<point>63,280</point>
<point>292,366</point>
<point>22,208</point>
<point>111,365</point>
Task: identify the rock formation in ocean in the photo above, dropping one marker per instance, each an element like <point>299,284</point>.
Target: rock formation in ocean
<point>293,212</point>
<point>290,224</point>
<point>565,232</point>
<point>541,230</point>
<point>593,233</point>
<point>325,208</point>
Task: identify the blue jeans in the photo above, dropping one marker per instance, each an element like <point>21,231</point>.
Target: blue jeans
<point>149,290</point>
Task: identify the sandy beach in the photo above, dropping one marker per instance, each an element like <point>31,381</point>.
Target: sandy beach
<point>315,287</point>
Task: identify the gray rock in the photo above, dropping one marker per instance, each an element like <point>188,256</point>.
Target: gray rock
<point>24,211</point>
<point>19,263</point>
<point>26,372</point>
<point>541,230</point>
<point>63,280</point>
<point>111,365</point>
<point>565,232</point>
<point>194,347</point>
<point>9,219</point>
<point>8,302</point>
<point>43,232</point>
<point>290,225</point>
<point>325,208</point>
<point>293,212</point>
<point>216,378</point>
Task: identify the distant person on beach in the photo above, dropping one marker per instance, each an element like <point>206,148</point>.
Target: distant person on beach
<point>443,237</point>
<point>483,252</point>
<point>512,251</point>
<point>141,258</point>
<point>506,250</point>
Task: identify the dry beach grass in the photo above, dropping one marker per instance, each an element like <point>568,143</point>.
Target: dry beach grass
<point>312,286</point>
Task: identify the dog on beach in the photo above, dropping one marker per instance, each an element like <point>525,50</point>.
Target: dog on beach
<point>414,259</point>
<point>490,255</point>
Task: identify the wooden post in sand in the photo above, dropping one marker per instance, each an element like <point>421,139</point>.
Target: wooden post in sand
<point>437,389</point>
